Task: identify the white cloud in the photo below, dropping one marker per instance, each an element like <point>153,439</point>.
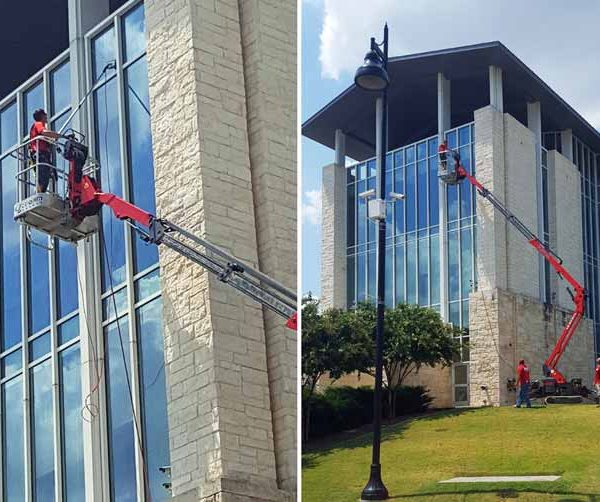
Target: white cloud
<point>556,40</point>
<point>311,207</point>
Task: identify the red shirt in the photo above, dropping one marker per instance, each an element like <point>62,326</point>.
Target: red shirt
<point>523,373</point>
<point>597,375</point>
<point>36,130</point>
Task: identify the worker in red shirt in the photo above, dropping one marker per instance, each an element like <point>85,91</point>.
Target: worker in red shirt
<point>523,380</point>
<point>40,151</point>
<point>597,379</point>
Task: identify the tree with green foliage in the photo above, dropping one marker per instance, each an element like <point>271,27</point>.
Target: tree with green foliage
<point>329,346</point>
<point>414,337</point>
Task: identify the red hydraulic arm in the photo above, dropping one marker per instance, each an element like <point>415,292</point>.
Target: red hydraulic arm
<point>455,174</point>
<point>86,199</point>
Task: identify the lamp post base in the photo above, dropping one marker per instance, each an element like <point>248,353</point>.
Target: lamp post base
<point>375,489</point>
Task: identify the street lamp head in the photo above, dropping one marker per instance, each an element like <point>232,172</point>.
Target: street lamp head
<point>372,76</point>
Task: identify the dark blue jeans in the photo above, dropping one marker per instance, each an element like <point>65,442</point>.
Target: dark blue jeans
<point>523,396</point>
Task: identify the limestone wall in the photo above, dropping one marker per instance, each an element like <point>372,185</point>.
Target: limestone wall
<point>225,405</point>
<point>333,237</point>
<point>506,327</point>
<point>569,239</point>
<point>269,55</point>
<point>521,200</point>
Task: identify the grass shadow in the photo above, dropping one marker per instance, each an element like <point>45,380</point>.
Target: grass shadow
<point>501,493</point>
<point>320,448</point>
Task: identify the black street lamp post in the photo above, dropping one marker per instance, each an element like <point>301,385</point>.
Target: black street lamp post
<point>373,76</point>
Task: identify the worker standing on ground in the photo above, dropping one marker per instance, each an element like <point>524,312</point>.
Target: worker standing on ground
<point>40,150</point>
<point>597,380</point>
<point>523,381</point>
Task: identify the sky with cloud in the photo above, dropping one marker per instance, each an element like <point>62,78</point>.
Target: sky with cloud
<point>558,40</point>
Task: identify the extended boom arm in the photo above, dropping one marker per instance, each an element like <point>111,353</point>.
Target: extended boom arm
<point>457,173</point>
<point>86,199</point>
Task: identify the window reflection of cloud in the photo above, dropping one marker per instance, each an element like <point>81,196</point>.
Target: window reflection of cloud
<point>43,423</point>
<point>135,39</point>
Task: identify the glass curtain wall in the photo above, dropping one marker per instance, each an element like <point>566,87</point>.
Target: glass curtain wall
<point>130,299</point>
<point>41,419</point>
<point>587,163</point>
<point>413,233</point>
<point>41,445</point>
<point>412,244</point>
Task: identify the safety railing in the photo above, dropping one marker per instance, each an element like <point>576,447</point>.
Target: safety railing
<point>42,153</point>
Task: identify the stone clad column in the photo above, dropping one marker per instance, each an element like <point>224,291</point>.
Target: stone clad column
<point>269,50</point>
<point>333,229</point>
<point>219,401</point>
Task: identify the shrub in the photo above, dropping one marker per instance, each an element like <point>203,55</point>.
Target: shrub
<point>342,408</point>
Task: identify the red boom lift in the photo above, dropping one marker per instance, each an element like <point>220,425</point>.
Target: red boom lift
<point>452,172</point>
<point>68,218</point>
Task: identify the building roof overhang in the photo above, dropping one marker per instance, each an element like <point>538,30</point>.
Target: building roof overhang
<point>412,99</point>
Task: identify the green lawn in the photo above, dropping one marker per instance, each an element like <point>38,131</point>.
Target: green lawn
<point>419,452</point>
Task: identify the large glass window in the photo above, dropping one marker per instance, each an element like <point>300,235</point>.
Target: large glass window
<point>33,99</point>
<point>38,276</point>
<point>108,152</point>
<point>42,432</point>
<point>13,461</point>
<point>70,406</point>
<point>412,259</point>
<point>152,369</point>
<point>120,417</point>
<point>60,85</point>
<point>140,155</point>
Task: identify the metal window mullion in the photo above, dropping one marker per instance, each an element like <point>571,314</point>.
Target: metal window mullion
<point>133,339</point>
<point>27,453</point>
<point>51,255</point>
<point>98,332</point>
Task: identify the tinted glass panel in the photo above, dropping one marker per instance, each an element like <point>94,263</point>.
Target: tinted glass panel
<point>107,141</point>
<point>60,86</point>
<point>147,285</point>
<point>70,405</point>
<point>8,127</point>
<point>103,52</point>
<point>372,276</point>
<point>434,207</point>
<point>68,330</point>
<point>350,286</point>
<point>12,363</point>
<point>154,395</point>
<point>410,200</point>
<point>13,471</point>
<point>423,272</point>
<point>411,272</point>
<point>351,216</point>
<point>32,100</point>
<point>42,432</point>
<point>453,266</point>
<point>11,265</point>
<point>120,428</point>
<point>399,274</point>
<point>39,347</point>
<point>134,41</point>
<point>66,273</point>
<point>108,304</point>
<point>422,191</point>
<point>140,155</point>
<point>360,277</point>
<point>38,280</point>
<point>434,250</point>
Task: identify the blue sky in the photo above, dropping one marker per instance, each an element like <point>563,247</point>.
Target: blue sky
<point>558,40</point>
<point>316,92</point>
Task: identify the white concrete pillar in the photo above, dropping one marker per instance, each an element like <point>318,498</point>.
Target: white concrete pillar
<point>496,96</point>
<point>340,148</point>
<point>566,140</point>
<point>83,15</point>
<point>334,205</point>
<point>534,123</point>
<point>443,111</point>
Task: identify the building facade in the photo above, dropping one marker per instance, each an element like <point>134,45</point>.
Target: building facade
<point>118,358</point>
<point>446,247</point>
